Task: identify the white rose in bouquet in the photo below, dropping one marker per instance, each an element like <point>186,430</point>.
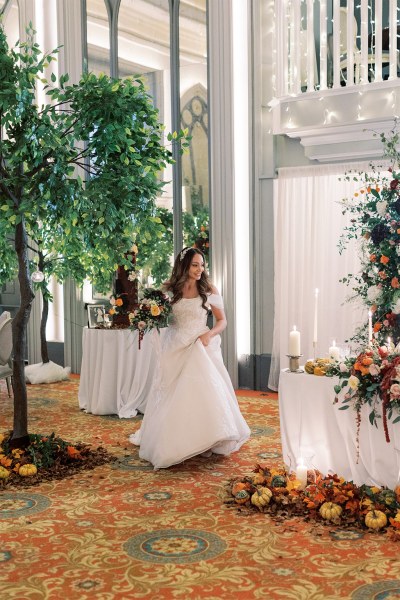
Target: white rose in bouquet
<point>374,293</point>
<point>396,307</point>
<point>381,208</point>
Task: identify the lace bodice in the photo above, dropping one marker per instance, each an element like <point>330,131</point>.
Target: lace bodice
<point>189,316</point>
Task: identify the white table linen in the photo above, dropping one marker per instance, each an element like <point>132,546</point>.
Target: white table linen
<point>117,377</point>
<point>313,428</point>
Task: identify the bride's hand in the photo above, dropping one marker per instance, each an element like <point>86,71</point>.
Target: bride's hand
<point>205,338</point>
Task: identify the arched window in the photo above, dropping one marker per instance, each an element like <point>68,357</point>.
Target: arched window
<point>98,37</point>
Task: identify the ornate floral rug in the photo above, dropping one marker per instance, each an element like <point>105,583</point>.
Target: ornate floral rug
<point>124,531</point>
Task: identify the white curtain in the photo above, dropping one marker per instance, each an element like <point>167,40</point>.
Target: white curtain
<point>308,223</point>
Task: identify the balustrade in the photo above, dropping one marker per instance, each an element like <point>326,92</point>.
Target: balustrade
<point>331,44</point>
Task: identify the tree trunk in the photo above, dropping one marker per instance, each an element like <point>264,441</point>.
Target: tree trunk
<point>43,342</point>
<point>45,313</point>
<point>20,322</point>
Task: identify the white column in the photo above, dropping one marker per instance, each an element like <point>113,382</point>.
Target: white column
<point>222,169</point>
<point>393,39</point>
<point>281,63</point>
<point>364,42</point>
<point>350,43</point>
<point>295,52</point>
<point>285,48</point>
<point>26,16</point>
<point>378,40</point>
<point>336,44</point>
<point>69,31</point>
<point>310,46</point>
<point>323,45</point>
<point>242,131</point>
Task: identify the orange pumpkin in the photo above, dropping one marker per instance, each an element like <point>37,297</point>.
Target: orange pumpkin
<point>238,486</point>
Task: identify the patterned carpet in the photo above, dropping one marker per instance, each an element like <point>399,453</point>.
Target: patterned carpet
<point>125,531</point>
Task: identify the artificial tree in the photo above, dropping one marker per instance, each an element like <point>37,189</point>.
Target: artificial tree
<point>79,176</point>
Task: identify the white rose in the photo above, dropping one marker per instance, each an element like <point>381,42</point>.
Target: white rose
<point>354,382</point>
<point>374,293</point>
<point>396,307</point>
<point>381,208</point>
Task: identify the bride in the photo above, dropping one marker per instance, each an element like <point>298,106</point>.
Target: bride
<point>192,408</point>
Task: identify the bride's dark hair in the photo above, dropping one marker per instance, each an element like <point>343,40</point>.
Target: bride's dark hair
<point>179,276</point>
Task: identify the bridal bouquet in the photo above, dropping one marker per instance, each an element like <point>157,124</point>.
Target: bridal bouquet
<point>152,313</point>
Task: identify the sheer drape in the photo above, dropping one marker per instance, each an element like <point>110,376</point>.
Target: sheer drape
<point>308,223</point>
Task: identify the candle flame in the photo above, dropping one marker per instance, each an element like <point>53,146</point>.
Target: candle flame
<point>316,292</point>
<point>334,343</point>
<point>294,327</point>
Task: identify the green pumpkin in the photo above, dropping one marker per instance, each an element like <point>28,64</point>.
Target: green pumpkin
<point>242,497</point>
<point>388,497</point>
<point>278,481</point>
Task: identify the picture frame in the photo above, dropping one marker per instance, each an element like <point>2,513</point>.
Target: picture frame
<point>96,314</point>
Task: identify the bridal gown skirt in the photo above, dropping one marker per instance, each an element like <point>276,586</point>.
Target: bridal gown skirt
<point>193,407</point>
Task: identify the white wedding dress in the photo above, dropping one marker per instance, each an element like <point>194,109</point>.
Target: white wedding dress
<point>192,407</point>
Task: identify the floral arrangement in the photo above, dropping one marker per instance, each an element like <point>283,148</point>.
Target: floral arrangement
<point>375,222</point>
<point>371,376</point>
<point>328,499</point>
<point>45,457</point>
<point>153,312</point>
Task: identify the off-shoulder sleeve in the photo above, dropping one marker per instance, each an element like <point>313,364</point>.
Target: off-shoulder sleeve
<point>216,300</point>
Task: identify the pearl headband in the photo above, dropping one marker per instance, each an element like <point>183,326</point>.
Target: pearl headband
<point>182,254</point>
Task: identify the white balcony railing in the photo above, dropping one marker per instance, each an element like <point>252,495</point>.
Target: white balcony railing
<point>322,44</point>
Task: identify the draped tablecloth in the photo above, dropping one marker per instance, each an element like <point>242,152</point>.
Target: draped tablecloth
<point>313,428</point>
<point>117,377</point>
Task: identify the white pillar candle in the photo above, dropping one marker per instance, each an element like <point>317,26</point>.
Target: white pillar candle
<point>334,351</point>
<point>315,336</point>
<point>301,475</point>
<point>369,328</point>
<point>294,342</point>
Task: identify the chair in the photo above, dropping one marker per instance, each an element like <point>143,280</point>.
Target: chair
<point>385,51</point>
<point>6,347</point>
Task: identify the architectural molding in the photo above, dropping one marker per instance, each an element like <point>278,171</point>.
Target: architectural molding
<point>338,124</point>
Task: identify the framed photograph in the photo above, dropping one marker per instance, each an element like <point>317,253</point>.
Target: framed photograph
<point>96,314</point>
